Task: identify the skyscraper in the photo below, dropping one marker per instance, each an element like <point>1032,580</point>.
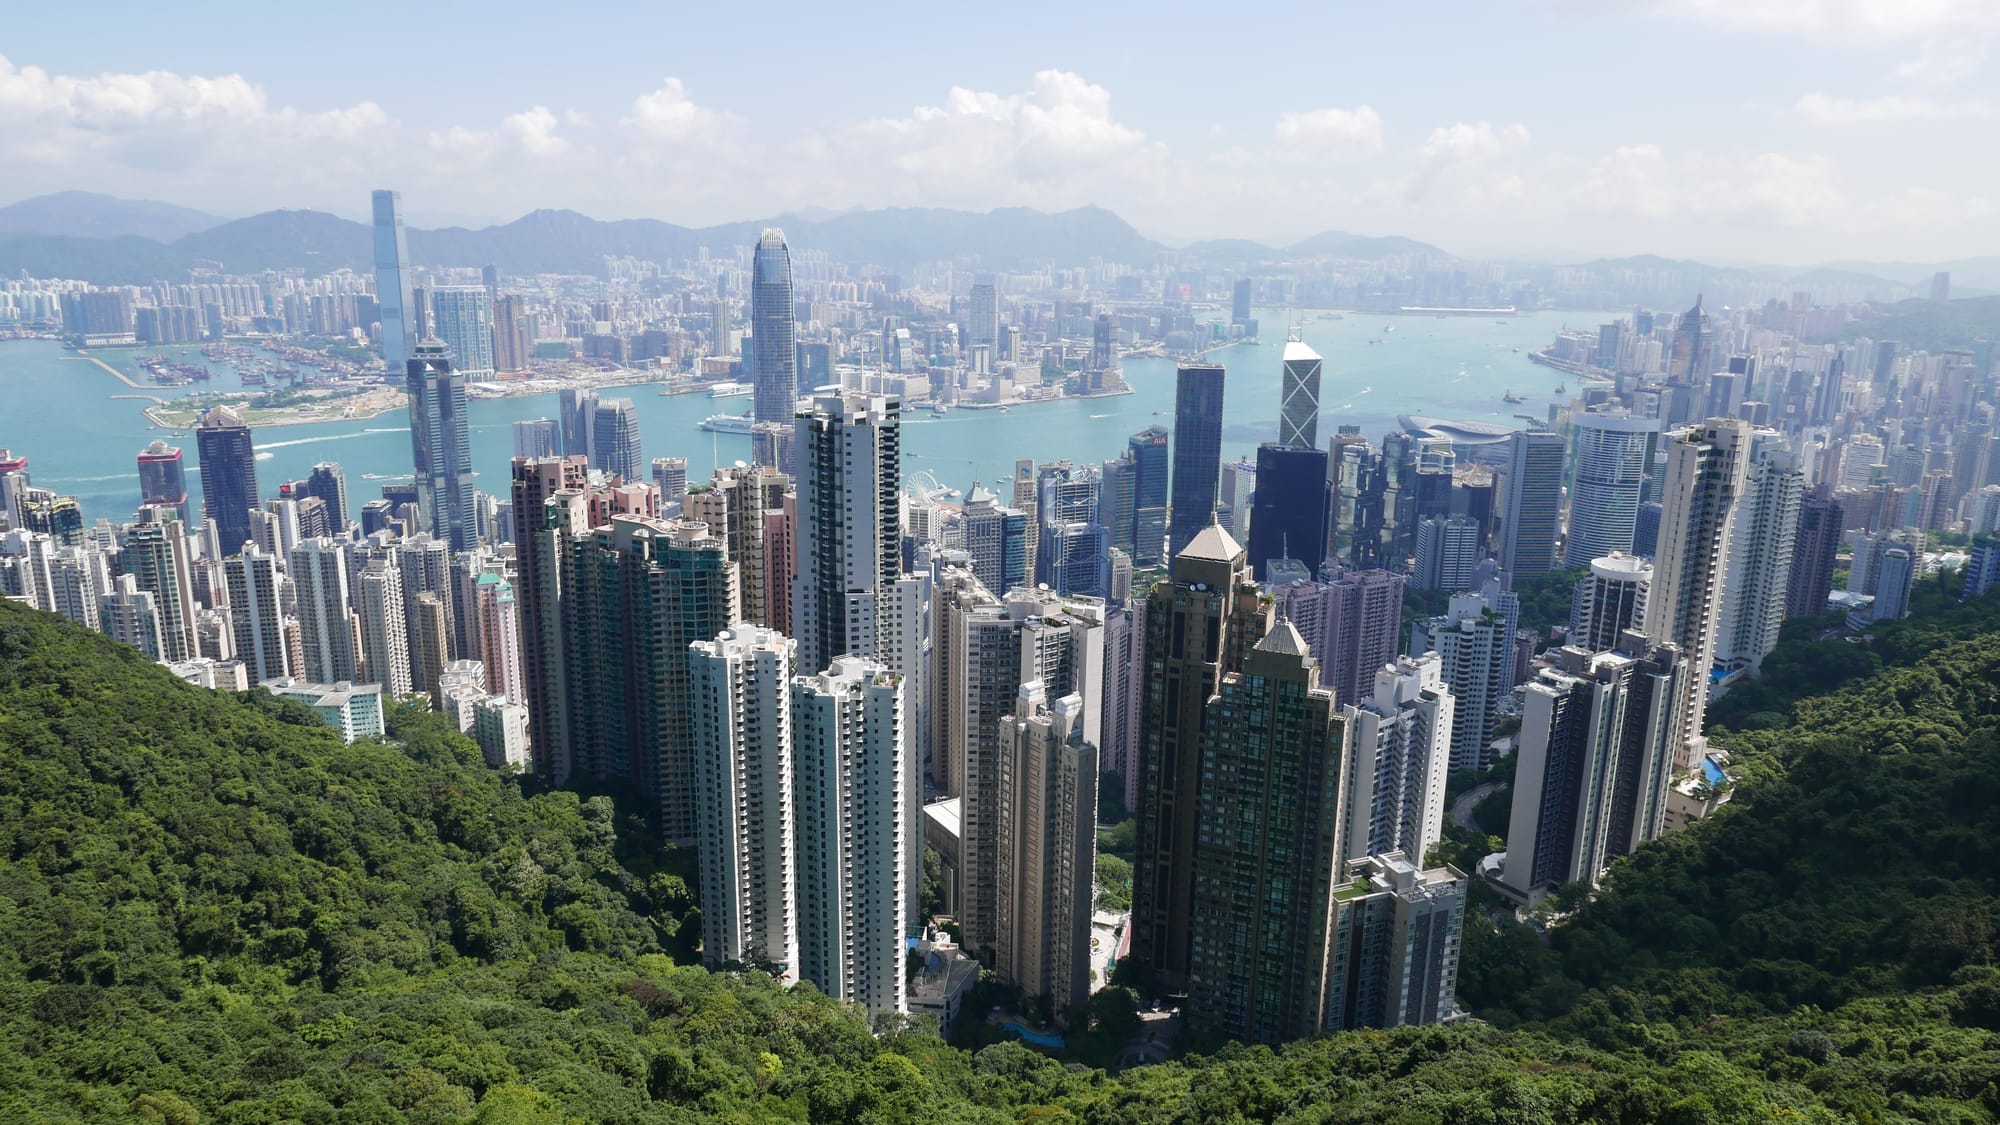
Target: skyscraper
<point>1609,600</point>
<point>578,414</point>
<point>1689,362</point>
<point>1474,641</point>
<point>1045,878</point>
<point>392,282</point>
<point>983,315</point>
<point>463,319</point>
<point>1298,404</point>
<point>775,378</point>
<point>614,439</point>
<point>745,835</point>
<point>157,556</point>
<point>228,476</point>
<point>1290,508</point>
<point>671,475</point>
<point>318,573</point>
<point>255,616</point>
<point>1393,951</point>
<point>131,616</point>
<point>1199,625</point>
<point>1197,452</point>
<point>1596,756</point>
<point>1533,486</point>
<point>1821,520</point>
<point>1706,468</point>
<point>441,446</point>
<point>328,484</point>
<point>1268,847</point>
<point>162,480</point>
<point>848,801</point>
<point>734,505</point>
<point>997,540</point>
<point>384,621</point>
<point>1393,794</point>
<point>538,558</point>
<point>1447,552</point>
<point>536,437</point>
<point>1136,494</point>
<point>849,540</point>
<point>1352,620</point>
<point>1612,454</point>
<point>1763,532</point>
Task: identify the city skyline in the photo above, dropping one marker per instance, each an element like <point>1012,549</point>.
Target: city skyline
<point>1828,105</point>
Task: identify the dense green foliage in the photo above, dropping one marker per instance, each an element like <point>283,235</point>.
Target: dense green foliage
<point>211,910</point>
<point>1931,326</point>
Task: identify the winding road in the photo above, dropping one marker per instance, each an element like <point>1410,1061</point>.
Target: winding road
<point>1461,809</point>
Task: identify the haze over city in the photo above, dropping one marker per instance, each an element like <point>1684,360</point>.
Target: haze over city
<point>1789,131</point>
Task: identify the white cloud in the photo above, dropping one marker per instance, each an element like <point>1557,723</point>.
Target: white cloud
<point>1333,130</point>
<point>1827,109</point>
<point>1844,21</point>
<point>668,113</point>
<point>1944,62</point>
<point>1762,189</point>
<point>534,131</point>
<point>1477,140</point>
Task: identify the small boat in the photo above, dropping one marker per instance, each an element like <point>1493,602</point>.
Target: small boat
<point>1510,396</point>
<point>940,409</point>
<point>1562,388</point>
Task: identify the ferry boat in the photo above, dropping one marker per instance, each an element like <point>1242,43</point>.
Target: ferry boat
<point>730,390</point>
<point>727,423</point>
<point>1510,396</point>
<point>940,409</point>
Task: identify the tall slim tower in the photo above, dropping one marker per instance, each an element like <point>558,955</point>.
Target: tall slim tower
<point>538,556</point>
<point>1197,452</point>
<point>1298,404</point>
<point>983,317</point>
<point>385,634</point>
<point>1290,507</point>
<point>1199,625</point>
<point>326,625</point>
<point>740,685</point>
<point>1047,853</point>
<point>1534,503</point>
<point>1269,855</point>
<point>1821,520</point>
<point>852,859</point>
<point>734,504</point>
<point>441,446</point>
<point>255,588</point>
<point>614,439</point>
<point>463,315</point>
<point>1612,455</point>
<point>228,476</point>
<point>848,550</point>
<point>1762,536</point>
<point>1706,469</point>
<point>1394,790</point>
<point>156,555</point>
<point>392,282</point>
<point>775,380</point>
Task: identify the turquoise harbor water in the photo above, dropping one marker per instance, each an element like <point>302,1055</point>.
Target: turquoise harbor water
<point>80,440</point>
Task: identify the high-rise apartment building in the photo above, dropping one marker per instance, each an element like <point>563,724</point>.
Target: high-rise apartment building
<point>538,558</point>
<point>1298,402</point>
<point>228,476</point>
<point>1197,452</point>
<point>849,539</point>
<point>671,475</point>
<point>1706,468</point>
<point>1762,537</point>
<point>496,615</point>
<point>1393,951</point>
<point>734,504</point>
<point>1597,754</point>
<point>462,317</point>
<point>1474,641</point>
<point>441,446</point>
<point>1268,847</point>
<point>983,313</point>
<point>1609,600</point>
<point>996,538</point>
<point>1400,756</point>
<point>1447,553</point>
<point>1611,454</point>
<point>537,437</point>
<point>256,616</point>
<point>392,281</point>
<point>318,572</point>
<point>1134,502</point>
<point>131,616</point>
<point>1199,625</point>
<point>636,592</point>
<point>1532,479</point>
<point>1045,876</point>
<point>384,624</point>
<point>852,855</point>
<point>775,375</point>
<point>740,685</point>
<point>1817,541</point>
<point>158,556</point>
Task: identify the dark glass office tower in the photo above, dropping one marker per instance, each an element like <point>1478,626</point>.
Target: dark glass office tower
<point>441,446</point>
<point>775,377</point>
<point>161,478</point>
<point>1197,452</point>
<point>228,476</point>
<point>614,439</point>
<point>1288,517</point>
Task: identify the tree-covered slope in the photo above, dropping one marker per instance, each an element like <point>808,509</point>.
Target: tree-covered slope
<point>211,910</point>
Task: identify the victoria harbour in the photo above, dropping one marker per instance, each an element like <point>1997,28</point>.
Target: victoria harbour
<point>1375,370</point>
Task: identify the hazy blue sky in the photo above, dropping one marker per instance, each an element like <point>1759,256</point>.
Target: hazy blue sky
<point>1785,130</point>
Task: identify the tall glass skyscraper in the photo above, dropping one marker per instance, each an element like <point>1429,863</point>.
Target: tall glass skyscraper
<point>1298,406</point>
<point>441,446</point>
<point>463,315</point>
<point>1613,452</point>
<point>228,476</point>
<point>775,376</point>
<point>1197,452</point>
<point>614,439</point>
<point>392,283</point>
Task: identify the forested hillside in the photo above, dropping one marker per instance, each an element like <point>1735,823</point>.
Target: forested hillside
<point>211,910</point>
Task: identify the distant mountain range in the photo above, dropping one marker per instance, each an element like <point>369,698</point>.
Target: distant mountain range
<point>101,239</point>
<point>114,241</point>
<point>86,214</point>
